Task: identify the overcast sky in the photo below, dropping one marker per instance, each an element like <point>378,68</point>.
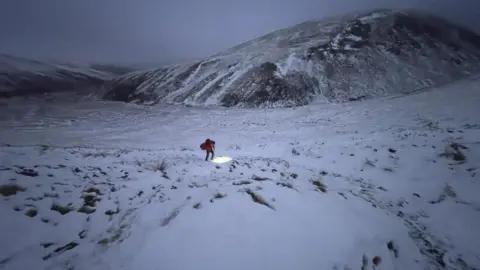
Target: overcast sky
<point>169,30</point>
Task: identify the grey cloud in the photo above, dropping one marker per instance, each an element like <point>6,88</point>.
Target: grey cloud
<point>170,30</point>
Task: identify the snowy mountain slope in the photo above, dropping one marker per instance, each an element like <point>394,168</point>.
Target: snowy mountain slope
<point>351,57</point>
<point>19,76</point>
<point>392,182</point>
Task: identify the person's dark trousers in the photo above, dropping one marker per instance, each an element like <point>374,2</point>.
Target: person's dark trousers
<point>208,153</point>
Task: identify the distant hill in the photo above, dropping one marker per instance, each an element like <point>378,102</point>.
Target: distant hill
<point>20,77</point>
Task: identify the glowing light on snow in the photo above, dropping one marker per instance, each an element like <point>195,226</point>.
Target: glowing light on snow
<point>221,159</point>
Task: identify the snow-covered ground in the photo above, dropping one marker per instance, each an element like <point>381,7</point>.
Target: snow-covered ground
<point>379,184</point>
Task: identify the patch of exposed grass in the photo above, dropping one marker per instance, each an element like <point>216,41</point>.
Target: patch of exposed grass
<point>47,244</point>
<point>86,209</point>
<point>62,209</point>
<point>388,169</point>
<point>96,154</point>
<point>391,150</point>
<point>10,189</point>
<point>241,183</point>
<point>31,213</point>
<point>116,235</point>
<point>259,199</point>
<point>93,190</point>
<point>319,185</point>
<point>447,192</point>
<point>112,212</point>
<point>160,166</point>
<point>393,248</point>
<point>196,185</point>
<point>285,184</point>
<point>51,195</point>
<point>453,151</point>
<point>60,250</point>
<point>90,200</point>
<point>28,172</point>
<point>259,178</point>
<point>219,196</point>
<point>197,205</point>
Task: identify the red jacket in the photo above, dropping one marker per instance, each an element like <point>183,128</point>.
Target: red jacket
<point>208,145</point>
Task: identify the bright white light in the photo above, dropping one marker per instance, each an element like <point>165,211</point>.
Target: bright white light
<point>221,159</point>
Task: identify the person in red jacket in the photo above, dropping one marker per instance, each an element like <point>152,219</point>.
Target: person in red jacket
<point>209,147</point>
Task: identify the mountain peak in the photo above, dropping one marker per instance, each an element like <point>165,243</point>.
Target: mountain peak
<point>350,57</point>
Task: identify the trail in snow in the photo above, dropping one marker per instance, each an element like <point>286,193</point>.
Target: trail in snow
<point>103,185</point>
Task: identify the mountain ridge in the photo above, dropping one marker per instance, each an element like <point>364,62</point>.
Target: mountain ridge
<point>343,58</point>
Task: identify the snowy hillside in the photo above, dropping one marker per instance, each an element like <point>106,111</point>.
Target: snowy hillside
<point>20,77</point>
<point>384,184</point>
<point>352,57</point>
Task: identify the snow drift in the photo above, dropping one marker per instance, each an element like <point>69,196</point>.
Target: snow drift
<point>351,57</point>
<point>384,184</point>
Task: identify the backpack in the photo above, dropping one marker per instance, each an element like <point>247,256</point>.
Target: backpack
<point>203,146</point>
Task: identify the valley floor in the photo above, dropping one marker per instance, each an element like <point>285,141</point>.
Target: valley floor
<point>378,184</point>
